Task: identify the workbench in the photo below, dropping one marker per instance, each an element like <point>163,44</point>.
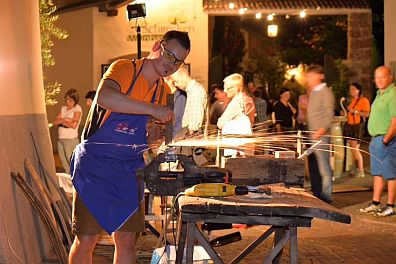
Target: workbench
<point>287,210</point>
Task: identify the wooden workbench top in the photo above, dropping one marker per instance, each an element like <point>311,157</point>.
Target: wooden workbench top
<point>283,202</point>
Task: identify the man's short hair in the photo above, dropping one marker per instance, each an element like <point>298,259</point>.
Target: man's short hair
<point>217,86</point>
<point>90,95</point>
<point>315,69</point>
<point>181,37</point>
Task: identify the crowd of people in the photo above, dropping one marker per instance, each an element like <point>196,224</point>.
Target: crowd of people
<point>133,92</point>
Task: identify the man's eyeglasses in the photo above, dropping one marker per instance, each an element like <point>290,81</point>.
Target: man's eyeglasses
<point>170,56</point>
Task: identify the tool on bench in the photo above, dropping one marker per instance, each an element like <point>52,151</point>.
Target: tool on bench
<point>215,190</point>
<point>171,183</point>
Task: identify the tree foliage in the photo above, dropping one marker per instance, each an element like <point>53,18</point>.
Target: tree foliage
<point>308,41</point>
<point>48,32</point>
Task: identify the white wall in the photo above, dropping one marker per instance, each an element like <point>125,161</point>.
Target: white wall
<point>115,36</point>
<point>97,39</point>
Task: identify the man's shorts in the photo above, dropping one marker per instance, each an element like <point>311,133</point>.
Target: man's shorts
<point>383,158</point>
<point>84,223</point>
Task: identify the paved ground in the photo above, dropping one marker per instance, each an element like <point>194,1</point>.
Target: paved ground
<point>367,239</point>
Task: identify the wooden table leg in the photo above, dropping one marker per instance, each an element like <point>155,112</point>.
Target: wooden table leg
<point>293,245</point>
<point>181,241</point>
<point>190,242</point>
<point>281,238</point>
<point>252,246</point>
<point>206,245</point>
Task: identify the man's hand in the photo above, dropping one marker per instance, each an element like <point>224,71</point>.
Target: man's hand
<point>318,133</point>
<point>163,114</point>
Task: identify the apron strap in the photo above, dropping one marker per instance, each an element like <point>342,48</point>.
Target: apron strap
<point>134,78</point>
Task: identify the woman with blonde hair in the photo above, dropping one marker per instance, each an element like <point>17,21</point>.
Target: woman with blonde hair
<point>239,115</point>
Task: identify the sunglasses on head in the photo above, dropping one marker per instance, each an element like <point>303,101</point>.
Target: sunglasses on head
<point>171,57</point>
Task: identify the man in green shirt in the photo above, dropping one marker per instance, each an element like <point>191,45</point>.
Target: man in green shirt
<point>382,128</point>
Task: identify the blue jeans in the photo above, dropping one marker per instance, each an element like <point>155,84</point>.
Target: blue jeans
<point>322,178</point>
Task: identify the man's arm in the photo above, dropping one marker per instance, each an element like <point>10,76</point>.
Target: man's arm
<point>111,98</point>
<point>391,132</point>
<point>328,115</point>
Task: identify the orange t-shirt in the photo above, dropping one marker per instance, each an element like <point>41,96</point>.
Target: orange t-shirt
<point>122,72</point>
<point>359,104</point>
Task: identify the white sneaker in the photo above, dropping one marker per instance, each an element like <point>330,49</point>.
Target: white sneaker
<point>370,209</point>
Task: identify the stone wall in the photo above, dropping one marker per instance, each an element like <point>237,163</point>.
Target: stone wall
<point>360,49</point>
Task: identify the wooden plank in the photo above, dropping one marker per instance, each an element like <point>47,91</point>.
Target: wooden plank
<point>284,202</point>
<point>45,217</point>
<point>289,171</point>
<point>248,219</point>
<point>64,223</point>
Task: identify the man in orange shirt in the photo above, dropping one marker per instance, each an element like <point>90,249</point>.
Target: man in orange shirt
<point>108,194</point>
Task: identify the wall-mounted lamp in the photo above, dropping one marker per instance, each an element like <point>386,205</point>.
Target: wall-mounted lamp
<point>272,31</point>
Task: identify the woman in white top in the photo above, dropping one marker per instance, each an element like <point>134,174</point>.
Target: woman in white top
<point>239,115</point>
<point>68,121</point>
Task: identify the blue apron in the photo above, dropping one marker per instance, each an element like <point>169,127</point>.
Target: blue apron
<point>103,168</point>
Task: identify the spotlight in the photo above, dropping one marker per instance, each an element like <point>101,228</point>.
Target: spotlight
<point>136,11</point>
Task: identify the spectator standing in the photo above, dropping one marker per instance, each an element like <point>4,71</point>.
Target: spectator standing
<point>320,113</point>
<point>382,128</point>
<point>358,111</point>
<point>196,101</point>
<point>219,105</point>
<point>302,111</point>
<point>284,112</point>
<point>68,120</point>
<point>89,97</point>
<point>261,107</point>
<point>240,112</point>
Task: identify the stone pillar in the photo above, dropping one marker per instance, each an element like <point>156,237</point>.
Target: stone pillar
<point>390,35</point>
<point>359,50</point>
<point>22,118</point>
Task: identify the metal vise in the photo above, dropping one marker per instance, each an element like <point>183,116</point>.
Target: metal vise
<point>171,183</point>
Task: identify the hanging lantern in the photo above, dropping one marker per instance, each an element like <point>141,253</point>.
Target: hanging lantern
<point>272,31</point>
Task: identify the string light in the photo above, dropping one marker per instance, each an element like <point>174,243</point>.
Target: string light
<point>231,5</point>
<point>258,15</point>
<point>270,17</point>
<point>303,14</point>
